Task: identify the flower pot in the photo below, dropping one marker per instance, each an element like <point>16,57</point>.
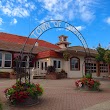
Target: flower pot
<point>28,101</point>
<point>52,76</point>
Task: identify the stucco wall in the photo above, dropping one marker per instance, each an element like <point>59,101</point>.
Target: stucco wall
<point>73,74</point>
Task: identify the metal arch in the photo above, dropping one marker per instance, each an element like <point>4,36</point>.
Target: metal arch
<point>63,28</point>
<point>30,52</point>
<point>52,28</point>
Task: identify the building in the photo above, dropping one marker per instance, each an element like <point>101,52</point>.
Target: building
<point>46,54</point>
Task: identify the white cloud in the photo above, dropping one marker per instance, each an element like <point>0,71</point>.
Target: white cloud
<point>79,28</point>
<point>107,20</point>
<point>19,8</point>
<point>69,9</point>
<point>85,11</point>
<point>14,21</point>
<point>48,4</point>
<point>1,21</point>
<point>22,1</point>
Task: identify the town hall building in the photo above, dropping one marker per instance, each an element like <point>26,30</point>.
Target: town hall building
<point>72,59</point>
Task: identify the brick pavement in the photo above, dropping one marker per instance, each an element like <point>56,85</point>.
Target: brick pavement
<point>61,95</point>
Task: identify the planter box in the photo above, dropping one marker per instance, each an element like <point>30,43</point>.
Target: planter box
<point>4,75</point>
<point>52,76</point>
<point>12,76</point>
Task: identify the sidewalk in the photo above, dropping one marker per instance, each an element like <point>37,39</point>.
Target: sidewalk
<point>61,95</point>
<point>101,106</point>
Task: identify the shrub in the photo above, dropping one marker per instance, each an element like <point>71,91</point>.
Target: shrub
<point>50,69</point>
<point>88,75</point>
<point>1,108</point>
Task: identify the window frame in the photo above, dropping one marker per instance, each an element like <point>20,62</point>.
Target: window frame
<point>104,67</point>
<point>7,60</point>
<point>57,63</point>
<point>4,60</point>
<point>1,60</point>
<point>75,69</point>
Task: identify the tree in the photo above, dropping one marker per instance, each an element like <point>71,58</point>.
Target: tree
<point>100,56</point>
<point>107,58</point>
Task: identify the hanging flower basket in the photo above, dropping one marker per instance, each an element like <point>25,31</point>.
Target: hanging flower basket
<point>66,55</point>
<point>23,94</point>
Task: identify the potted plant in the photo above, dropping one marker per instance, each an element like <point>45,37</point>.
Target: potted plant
<point>23,93</point>
<point>88,83</point>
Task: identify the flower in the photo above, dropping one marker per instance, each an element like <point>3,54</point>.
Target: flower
<point>80,84</point>
<point>19,92</point>
<point>89,83</point>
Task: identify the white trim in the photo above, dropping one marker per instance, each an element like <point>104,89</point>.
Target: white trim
<point>3,60</point>
<point>57,60</point>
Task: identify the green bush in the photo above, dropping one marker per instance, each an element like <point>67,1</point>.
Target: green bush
<point>1,108</point>
<point>88,75</point>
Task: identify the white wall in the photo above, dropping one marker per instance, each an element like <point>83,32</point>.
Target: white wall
<point>73,74</point>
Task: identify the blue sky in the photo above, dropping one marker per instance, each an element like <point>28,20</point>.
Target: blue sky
<point>90,17</point>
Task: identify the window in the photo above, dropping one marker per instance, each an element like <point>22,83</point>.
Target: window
<point>42,65</point>
<point>37,64</point>
<point>103,67</point>
<point>45,65</point>
<point>5,60</point>
<point>90,67</point>
<point>74,64</point>
<point>31,63</point>
<point>0,59</point>
<point>90,64</point>
<point>57,64</point>
<point>24,61</point>
<point>8,59</point>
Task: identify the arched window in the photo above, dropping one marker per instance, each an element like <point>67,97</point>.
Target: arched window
<point>74,64</point>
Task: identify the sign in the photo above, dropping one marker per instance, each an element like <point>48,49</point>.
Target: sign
<point>39,30</point>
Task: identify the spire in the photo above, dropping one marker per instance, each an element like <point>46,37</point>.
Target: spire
<point>63,43</point>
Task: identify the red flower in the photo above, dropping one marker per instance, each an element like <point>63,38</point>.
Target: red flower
<point>5,91</point>
<point>14,87</point>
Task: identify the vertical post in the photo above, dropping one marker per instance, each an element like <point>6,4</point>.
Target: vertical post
<point>98,68</point>
<point>109,69</point>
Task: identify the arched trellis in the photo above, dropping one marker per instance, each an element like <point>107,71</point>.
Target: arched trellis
<point>45,26</point>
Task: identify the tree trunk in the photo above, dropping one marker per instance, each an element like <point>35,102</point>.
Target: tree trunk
<point>98,69</point>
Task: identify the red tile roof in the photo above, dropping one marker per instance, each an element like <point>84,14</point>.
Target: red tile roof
<point>50,53</point>
<point>21,40</point>
<point>15,47</point>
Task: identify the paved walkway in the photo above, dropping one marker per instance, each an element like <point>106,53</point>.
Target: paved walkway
<point>61,95</point>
